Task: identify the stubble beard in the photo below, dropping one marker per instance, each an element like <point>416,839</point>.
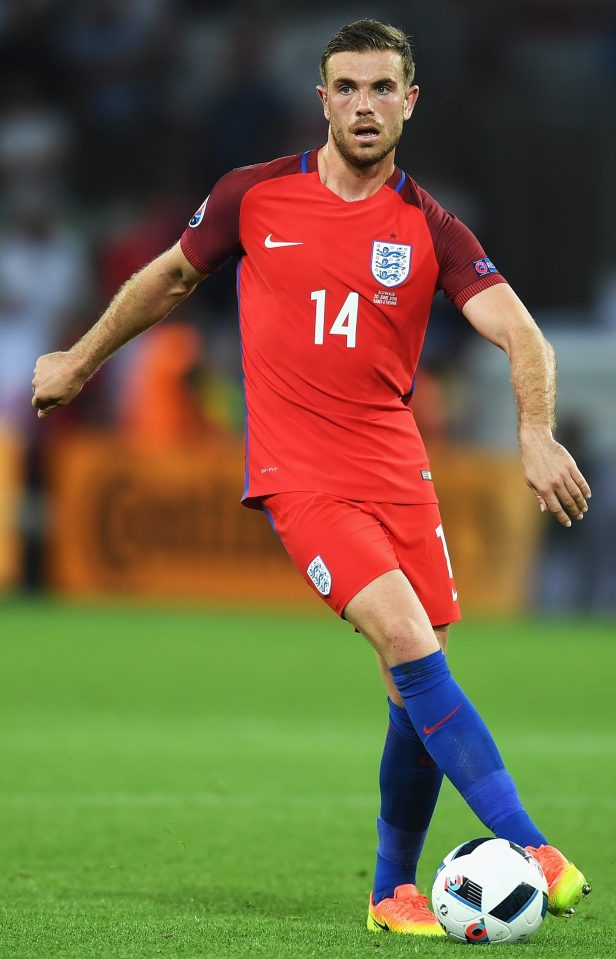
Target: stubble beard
<point>362,158</point>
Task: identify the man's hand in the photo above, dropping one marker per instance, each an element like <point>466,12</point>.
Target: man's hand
<point>144,300</point>
<point>552,474</point>
<point>57,380</point>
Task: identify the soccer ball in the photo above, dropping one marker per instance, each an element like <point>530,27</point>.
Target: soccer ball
<point>489,890</point>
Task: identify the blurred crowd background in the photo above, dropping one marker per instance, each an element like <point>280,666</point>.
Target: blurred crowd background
<point>116,119</point>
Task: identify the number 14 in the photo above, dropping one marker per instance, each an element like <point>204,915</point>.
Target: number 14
<point>345,323</point>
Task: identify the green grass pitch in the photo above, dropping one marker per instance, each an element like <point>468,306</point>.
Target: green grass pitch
<point>204,784</point>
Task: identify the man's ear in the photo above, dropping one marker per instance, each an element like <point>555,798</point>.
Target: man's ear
<point>410,100</point>
<point>322,91</point>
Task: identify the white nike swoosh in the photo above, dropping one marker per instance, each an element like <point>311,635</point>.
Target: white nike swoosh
<point>272,244</point>
<point>454,594</point>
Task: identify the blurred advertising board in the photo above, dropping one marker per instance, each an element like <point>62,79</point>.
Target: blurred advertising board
<point>161,524</point>
<point>11,485</point>
<point>492,523</point>
<point>169,524</point>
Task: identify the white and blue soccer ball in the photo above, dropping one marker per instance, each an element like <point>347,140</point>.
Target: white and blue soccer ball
<point>489,891</point>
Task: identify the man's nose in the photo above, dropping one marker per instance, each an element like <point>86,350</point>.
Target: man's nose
<point>364,104</point>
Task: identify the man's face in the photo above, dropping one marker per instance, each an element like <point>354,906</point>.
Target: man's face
<point>366,102</point>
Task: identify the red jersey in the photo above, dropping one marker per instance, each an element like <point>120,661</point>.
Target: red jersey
<point>334,299</point>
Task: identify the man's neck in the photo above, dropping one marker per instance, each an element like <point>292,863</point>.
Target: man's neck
<point>350,182</point>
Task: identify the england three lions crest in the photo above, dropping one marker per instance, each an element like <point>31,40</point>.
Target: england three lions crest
<point>391,262</point>
<point>320,576</point>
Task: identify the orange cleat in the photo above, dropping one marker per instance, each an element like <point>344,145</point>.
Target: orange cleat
<point>566,884</point>
<point>407,912</point>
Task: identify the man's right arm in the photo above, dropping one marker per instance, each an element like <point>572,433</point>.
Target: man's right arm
<point>144,300</point>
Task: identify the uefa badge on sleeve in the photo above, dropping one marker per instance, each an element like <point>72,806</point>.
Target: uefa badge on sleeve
<point>320,576</point>
<point>391,262</point>
<point>484,266</point>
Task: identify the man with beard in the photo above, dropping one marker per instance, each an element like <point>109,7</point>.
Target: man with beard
<point>339,256</point>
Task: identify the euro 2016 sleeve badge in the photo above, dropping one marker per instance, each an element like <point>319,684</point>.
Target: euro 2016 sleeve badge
<point>196,218</point>
<point>391,262</point>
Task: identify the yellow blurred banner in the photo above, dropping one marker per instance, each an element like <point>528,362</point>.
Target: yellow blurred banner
<point>161,524</point>
<point>169,524</point>
<point>11,483</point>
<point>492,524</point>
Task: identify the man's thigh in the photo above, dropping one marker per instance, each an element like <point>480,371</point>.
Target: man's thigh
<point>339,546</point>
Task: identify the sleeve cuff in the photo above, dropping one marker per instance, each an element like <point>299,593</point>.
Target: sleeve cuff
<point>192,256</point>
<point>465,294</point>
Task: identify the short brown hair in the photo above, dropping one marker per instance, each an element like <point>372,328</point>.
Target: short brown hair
<point>365,35</point>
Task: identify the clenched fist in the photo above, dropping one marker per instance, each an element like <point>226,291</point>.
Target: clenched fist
<point>57,380</point>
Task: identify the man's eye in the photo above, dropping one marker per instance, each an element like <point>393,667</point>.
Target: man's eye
<point>383,88</point>
<point>345,88</point>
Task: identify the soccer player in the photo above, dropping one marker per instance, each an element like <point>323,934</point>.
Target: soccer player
<point>339,256</point>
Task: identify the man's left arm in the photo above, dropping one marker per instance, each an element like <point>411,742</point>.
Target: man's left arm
<point>549,469</point>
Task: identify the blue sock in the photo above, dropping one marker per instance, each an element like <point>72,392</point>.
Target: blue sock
<point>410,781</point>
<point>458,740</point>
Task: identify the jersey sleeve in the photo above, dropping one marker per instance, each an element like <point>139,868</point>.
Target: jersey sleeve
<point>213,232</point>
<point>464,268</point>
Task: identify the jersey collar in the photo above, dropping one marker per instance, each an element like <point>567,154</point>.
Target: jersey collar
<point>309,164</point>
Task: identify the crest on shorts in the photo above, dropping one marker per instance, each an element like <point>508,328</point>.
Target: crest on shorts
<point>320,576</point>
<point>391,262</point>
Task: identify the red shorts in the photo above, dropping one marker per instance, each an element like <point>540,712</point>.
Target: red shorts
<point>339,546</point>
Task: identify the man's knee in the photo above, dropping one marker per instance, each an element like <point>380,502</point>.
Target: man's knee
<point>400,639</point>
<point>390,616</point>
